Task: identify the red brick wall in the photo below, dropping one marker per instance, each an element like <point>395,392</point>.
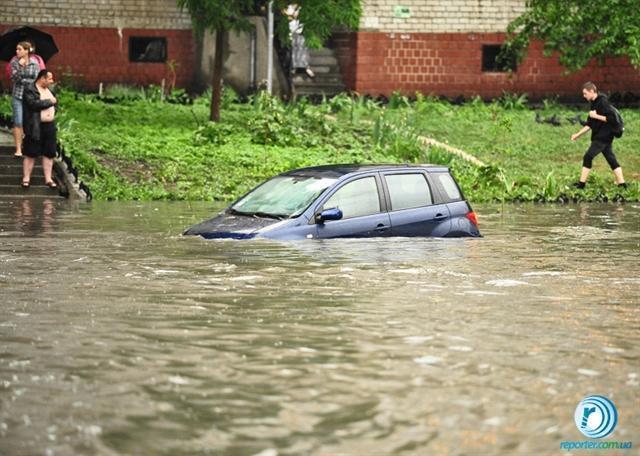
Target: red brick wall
<point>450,64</point>
<point>344,45</point>
<point>97,55</point>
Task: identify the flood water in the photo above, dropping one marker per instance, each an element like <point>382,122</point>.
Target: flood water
<point>120,336</point>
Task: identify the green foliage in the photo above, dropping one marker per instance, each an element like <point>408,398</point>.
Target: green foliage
<point>214,133</point>
<point>229,97</point>
<point>146,149</point>
<point>513,100</point>
<point>579,30</point>
<point>398,137</point>
<point>398,100</point>
<point>213,15</point>
<point>122,92</point>
<point>269,124</point>
<point>520,152</point>
<point>320,18</point>
<point>5,106</point>
<point>551,103</point>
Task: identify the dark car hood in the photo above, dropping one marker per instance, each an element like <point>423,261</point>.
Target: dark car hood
<point>230,226</point>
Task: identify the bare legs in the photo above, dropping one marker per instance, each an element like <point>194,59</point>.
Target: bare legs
<point>27,168</point>
<point>616,172</point>
<point>584,174</point>
<point>17,136</point>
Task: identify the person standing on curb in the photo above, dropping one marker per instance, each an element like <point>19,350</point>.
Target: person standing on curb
<point>39,128</point>
<point>600,123</point>
<point>24,70</point>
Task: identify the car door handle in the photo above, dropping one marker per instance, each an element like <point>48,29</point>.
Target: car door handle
<point>381,227</point>
<point>440,216</point>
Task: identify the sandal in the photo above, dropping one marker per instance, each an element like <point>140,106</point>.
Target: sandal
<point>51,184</point>
<point>25,184</point>
<point>18,155</point>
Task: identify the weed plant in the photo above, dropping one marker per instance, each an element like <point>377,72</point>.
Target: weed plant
<point>143,147</point>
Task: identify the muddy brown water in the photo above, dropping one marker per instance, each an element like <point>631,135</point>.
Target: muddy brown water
<point>120,336</point>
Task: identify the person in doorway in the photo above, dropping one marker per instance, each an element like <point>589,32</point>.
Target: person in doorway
<point>24,69</point>
<point>39,128</point>
<point>299,51</point>
<point>600,123</point>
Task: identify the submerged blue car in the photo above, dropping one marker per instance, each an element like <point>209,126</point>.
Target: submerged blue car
<point>341,201</point>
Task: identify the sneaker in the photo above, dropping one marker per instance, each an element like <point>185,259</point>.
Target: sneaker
<point>579,185</point>
<point>623,185</point>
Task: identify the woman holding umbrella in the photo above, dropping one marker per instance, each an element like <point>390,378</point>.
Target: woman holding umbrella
<point>24,70</point>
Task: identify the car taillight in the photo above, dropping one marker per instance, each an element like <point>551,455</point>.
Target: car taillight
<point>472,217</point>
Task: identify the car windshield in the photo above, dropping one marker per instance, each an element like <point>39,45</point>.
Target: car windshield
<point>282,196</point>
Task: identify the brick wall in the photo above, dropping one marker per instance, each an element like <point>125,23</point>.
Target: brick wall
<point>437,49</point>
<point>440,16</point>
<point>450,64</point>
<point>93,38</point>
<point>345,47</point>
<point>154,14</point>
<point>93,55</point>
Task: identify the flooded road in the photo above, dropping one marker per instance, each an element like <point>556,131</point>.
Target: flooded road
<point>120,336</point>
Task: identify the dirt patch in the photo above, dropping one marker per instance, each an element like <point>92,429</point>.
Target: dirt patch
<point>134,171</point>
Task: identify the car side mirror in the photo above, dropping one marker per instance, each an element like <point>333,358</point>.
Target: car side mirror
<point>329,214</point>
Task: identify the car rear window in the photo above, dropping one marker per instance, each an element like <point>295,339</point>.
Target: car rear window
<point>450,187</point>
<point>408,191</point>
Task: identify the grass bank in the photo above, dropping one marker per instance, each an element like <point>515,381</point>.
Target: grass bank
<point>145,148</point>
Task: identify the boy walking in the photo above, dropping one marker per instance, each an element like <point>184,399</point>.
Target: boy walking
<point>600,123</point>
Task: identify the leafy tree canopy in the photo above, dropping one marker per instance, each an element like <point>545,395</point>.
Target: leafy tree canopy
<point>578,29</point>
<point>215,15</point>
<point>320,17</point>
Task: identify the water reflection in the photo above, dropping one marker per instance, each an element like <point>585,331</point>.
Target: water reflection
<point>32,217</point>
<point>137,340</point>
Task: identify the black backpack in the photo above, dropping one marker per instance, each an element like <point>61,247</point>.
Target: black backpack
<point>618,123</point>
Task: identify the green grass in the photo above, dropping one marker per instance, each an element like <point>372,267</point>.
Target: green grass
<point>142,148</point>
<point>531,161</point>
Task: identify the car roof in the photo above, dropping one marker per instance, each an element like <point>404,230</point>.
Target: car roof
<point>337,171</point>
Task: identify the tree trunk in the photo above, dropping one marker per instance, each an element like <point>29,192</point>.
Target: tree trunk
<point>216,83</point>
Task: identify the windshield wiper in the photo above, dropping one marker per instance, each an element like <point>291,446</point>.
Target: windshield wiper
<point>259,214</point>
<point>268,215</point>
<point>237,212</point>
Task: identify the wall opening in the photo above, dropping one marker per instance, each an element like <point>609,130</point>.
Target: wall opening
<point>491,61</point>
<point>150,49</point>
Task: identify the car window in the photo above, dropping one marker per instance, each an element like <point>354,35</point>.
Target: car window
<point>449,186</point>
<point>408,190</point>
<point>286,196</point>
<point>357,198</point>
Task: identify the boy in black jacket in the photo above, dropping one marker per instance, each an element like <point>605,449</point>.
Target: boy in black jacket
<point>599,122</point>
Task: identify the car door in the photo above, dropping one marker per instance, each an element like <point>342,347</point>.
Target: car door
<point>411,206</point>
<point>363,210</point>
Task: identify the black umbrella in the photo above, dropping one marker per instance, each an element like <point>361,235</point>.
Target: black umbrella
<point>43,42</point>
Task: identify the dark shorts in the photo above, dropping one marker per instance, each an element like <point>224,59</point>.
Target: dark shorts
<point>47,144</point>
